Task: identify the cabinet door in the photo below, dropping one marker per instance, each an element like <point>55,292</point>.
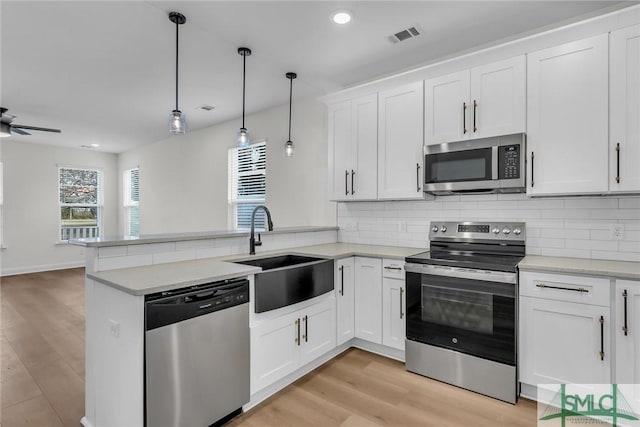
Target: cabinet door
<point>364,172</point>
<point>318,331</point>
<point>368,299</point>
<point>446,106</point>
<point>340,150</point>
<point>400,125</point>
<point>567,118</point>
<point>627,336</point>
<point>498,98</point>
<point>393,313</point>
<point>560,342</point>
<point>624,150</point>
<point>345,293</point>
<point>274,350</point>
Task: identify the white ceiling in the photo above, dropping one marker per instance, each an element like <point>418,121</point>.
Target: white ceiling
<point>103,72</point>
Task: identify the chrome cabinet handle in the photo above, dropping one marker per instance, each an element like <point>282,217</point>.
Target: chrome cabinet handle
<point>418,177</point>
<point>562,288</point>
<point>401,295</point>
<point>618,163</point>
<point>533,156</point>
<point>625,329</point>
<point>346,184</point>
<point>601,337</point>
<point>352,189</point>
<point>297,340</point>
<point>341,280</point>
<point>475,107</point>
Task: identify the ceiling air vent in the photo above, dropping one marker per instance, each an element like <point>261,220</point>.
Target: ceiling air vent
<point>205,107</point>
<point>404,35</point>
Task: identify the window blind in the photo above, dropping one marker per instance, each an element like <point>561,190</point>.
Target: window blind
<point>131,191</point>
<point>247,184</point>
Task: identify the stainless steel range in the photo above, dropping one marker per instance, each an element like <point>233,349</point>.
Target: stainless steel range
<point>462,306</point>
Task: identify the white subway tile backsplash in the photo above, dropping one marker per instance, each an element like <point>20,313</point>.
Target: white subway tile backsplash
<point>111,251</point>
<point>564,226</point>
<point>114,263</point>
<point>151,248</point>
<point>164,257</point>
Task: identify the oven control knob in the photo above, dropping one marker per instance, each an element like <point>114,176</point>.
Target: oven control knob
<point>434,228</point>
<point>496,230</point>
<point>443,228</point>
<point>506,230</point>
<point>517,231</point>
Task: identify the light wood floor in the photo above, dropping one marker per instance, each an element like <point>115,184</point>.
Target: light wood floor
<point>42,377</point>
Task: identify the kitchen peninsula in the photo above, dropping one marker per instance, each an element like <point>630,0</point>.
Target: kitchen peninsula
<point>121,271</point>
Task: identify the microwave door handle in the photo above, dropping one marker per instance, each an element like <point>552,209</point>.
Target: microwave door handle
<point>494,163</point>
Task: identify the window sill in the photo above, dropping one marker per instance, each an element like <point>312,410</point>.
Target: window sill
<point>61,243</point>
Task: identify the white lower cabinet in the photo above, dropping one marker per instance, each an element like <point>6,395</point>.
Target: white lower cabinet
<point>393,304</point>
<point>280,346</point>
<point>627,337</point>
<point>345,298</point>
<point>368,299</point>
<point>565,329</point>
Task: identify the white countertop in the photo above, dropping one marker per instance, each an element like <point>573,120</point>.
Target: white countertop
<point>163,277</point>
<point>98,242</point>
<point>591,267</point>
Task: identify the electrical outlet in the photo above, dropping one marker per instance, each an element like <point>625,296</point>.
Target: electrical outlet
<point>114,327</point>
<point>616,231</point>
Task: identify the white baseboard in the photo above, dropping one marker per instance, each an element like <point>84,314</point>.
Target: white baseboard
<point>40,268</point>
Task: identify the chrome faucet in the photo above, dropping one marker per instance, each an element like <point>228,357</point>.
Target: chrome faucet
<point>252,239</point>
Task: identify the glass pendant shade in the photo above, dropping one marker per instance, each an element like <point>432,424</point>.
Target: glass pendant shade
<point>177,124</point>
<point>288,148</point>
<point>243,138</point>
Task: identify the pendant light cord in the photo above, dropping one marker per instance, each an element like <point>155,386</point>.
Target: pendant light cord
<point>177,39</point>
<point>290,102</point>
<point>244,73</point>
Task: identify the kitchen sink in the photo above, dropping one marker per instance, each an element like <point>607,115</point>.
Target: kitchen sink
<point>279,261</point>
<point>289,279</point>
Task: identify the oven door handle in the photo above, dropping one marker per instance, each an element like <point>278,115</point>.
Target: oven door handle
<point>462,273</point>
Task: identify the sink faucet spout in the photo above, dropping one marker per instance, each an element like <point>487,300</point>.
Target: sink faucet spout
<point>252,239</point>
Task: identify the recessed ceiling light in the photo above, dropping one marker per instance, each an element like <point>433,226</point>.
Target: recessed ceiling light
<point>94,145</point>
<point>341,17</point>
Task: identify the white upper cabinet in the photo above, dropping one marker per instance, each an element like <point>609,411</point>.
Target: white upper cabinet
<point>353,140</point>
<point>446,107</point>
<point>481,102</point>
<point>624,112</point>
<point>567,115</point>
<point>498,98</point>
<point>400,139</point>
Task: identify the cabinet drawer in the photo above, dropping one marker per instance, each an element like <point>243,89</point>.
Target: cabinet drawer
<point>563,287</point>
<point>393,268</point>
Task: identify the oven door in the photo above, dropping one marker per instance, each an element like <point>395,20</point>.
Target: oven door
<point>470,311</point>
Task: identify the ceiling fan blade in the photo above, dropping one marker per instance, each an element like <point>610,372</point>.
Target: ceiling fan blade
<point>19,131</point>
<point>35,128</point>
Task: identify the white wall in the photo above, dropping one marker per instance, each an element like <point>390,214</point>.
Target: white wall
<point>31,211</point>
<point>183,179</point>
<point>570,226</point>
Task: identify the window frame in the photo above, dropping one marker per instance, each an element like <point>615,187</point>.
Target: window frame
<point>128,203</point>
<point>99,205</point>
<point>233,201</point>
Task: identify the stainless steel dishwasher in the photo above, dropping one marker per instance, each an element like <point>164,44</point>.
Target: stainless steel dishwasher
<point>197,354</point>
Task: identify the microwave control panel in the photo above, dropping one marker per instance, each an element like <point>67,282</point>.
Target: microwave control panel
<point>509,162</point>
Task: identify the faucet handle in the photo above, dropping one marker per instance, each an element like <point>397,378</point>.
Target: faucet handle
<point>259,242</point>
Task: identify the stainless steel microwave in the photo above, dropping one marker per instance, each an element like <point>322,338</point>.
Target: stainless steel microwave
<point>486,165</point>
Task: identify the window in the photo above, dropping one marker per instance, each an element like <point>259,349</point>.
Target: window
<point>247,184</point>
<point>80,203</point>
<point>131,193</point>
<point>1,204</point>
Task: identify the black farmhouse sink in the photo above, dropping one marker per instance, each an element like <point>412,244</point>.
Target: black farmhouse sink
<point>289,279</point>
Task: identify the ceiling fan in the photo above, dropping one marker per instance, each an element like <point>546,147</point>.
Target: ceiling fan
<point>7,129</point>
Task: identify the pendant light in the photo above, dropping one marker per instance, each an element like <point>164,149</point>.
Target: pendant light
<point>243,134</point>
<point>288,147</point>
<point>177,123</point>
